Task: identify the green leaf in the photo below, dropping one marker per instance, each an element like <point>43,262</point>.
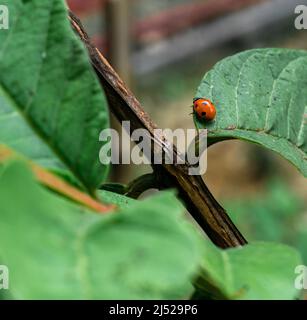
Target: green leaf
<point>256,271</point>
<point>51,105</point>
<point>260,97</point>
<point>115,198</point>
<point>57,250</point>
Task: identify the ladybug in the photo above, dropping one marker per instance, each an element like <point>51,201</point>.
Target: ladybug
<point>204,109</point>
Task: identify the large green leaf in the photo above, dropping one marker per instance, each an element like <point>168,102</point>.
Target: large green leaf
<point>51,105</point>
<point>260,96</point>
<point>57,250</point>
<point>256,271</point>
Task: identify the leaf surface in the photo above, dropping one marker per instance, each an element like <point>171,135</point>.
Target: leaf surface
<point>55,249</point>
<point>52,108</point>
<point>261,270</point>
<point>260,96</point>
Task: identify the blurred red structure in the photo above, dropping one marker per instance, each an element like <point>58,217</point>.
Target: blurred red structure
<point>84,7</point>
<point>165,23</point>
<point>160,25</point>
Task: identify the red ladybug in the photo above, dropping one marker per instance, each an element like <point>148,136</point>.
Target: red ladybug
<point>204,109</point>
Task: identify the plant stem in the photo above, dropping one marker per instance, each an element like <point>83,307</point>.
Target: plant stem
<point>201,204</point>
<point>141,184</point>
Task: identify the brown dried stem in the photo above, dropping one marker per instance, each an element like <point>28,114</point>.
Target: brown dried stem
<point>211,217</point>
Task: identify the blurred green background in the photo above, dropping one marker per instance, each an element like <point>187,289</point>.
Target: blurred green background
<point>162,49</point>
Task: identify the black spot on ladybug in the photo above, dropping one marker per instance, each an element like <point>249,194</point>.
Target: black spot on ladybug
<point>203,114</point>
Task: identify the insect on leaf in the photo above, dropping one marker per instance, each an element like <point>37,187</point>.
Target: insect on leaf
<point>260,96</point>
